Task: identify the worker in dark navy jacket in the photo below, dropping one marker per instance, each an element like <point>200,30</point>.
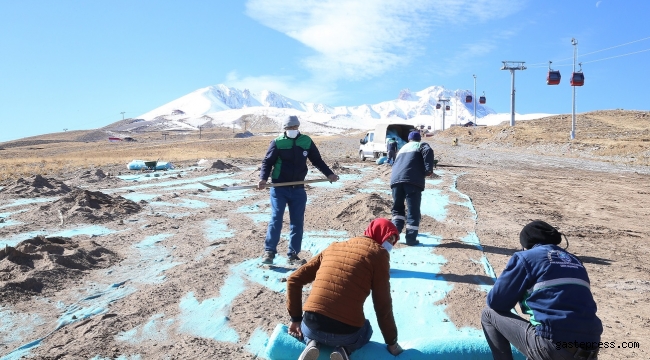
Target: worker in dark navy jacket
<point>552,287</point>
<point>413,163</point>
<point>286,161</point>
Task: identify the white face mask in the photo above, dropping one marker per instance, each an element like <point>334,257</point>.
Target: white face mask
<point>292,133</point>
<point>387,245</point>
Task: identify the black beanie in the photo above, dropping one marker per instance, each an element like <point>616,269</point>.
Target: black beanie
<point>539,232</point>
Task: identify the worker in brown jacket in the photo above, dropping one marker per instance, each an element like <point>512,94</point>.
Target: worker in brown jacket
<point>343,276</point>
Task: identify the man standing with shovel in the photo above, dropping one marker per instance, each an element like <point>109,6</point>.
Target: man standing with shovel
<point>286,161</point>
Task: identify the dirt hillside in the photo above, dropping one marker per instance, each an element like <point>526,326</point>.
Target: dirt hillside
<point>97,261</point>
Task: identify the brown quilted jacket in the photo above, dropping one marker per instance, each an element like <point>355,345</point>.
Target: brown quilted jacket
<point>343,276</point>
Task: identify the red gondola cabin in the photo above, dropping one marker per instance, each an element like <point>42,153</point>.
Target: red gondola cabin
<point>481,100</point>
<point>447,107</point>
<point>437,106</point>
<point>577,79</point>
<point>553,77</point>
<point>468,98</point>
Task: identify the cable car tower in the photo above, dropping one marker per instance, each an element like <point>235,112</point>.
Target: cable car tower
<point>512,66</point>
<point>474,75</point>
<point>447,108</point>
<point>480,101</point>
<point>577,79</point>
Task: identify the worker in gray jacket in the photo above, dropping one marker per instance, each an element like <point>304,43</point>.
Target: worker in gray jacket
<point>413,163</point>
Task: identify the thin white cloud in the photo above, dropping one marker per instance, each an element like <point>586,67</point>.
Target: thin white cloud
<point>352,39</point>
<point>598,3</point>
<point>360,39</point>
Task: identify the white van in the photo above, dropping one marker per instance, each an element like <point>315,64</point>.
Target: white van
<point>373,145</point>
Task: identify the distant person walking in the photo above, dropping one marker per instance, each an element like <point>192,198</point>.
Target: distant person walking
<point>286,161</point>
<point>391,148</point>
<point>552,287</point>
<point>342,278</point>
<point>413,163</point>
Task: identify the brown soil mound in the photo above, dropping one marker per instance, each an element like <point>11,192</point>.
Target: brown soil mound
<point>353,215</point>
<point>94,206</point>
<point>220,165</point>
<point>364,207</point>
<point>385,173</point>
<point>36,186</point>
<point>94,176</point>
<point>340,169</point>
<point>40,265</point>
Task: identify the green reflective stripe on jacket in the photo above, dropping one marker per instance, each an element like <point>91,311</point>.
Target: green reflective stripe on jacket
<point>276,169</point>
<point>527,310</point>
<point>284,143</point>
<point>411,146</point>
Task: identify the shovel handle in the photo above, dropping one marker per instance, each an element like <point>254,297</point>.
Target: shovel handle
<point>227,188</point>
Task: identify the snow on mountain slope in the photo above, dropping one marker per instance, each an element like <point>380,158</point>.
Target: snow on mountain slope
<point>220,104</point>
<point>204,101</point>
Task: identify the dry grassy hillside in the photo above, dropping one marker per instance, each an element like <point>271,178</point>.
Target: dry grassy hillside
<point>54,154</point>
<point>611,135</point>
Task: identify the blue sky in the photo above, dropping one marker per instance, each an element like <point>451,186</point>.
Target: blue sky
<point>79,64</point>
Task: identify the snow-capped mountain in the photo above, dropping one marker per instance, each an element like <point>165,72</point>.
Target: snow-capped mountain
<point>223,105</point>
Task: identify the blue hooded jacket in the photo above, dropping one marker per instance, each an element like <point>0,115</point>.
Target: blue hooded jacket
<point>413,163</point>
<point>552,286</point>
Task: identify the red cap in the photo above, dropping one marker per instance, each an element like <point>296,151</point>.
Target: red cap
<point>380,230</point>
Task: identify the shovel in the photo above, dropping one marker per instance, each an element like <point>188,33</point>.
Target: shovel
<point>228,188</point>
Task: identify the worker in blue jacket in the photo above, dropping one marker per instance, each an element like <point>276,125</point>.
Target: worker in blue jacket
<point>552,287</point>
<point>286,161</point>
<point>391,149</point>
<point>413,163</point>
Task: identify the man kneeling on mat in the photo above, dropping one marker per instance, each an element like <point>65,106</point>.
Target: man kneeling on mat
<point>552,287</point>
<point>343,276</point>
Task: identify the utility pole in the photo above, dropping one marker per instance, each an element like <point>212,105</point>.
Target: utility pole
<point>434,119</point>
<point>474,98</point>
<point>512,66</point>
<point>574,42</point>
<point>456,107</point>
<point>122,114</point>
<point>444,110</point>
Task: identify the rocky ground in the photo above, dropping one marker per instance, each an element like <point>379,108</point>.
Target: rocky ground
<point>96,265</point>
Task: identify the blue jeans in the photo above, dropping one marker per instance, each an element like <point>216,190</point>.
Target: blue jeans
<point>413,197</point>
<point>503,328</point>
<point>350,342</point>
<point>296,199</point>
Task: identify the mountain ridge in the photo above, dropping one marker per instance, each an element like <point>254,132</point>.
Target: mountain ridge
<point>221,104</point>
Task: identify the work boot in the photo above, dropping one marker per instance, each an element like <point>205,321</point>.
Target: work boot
<point>412,243</point>
<point>339,353</point>
<point>268,257</point>
<point>295,260</point>
<point>311,352</point>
